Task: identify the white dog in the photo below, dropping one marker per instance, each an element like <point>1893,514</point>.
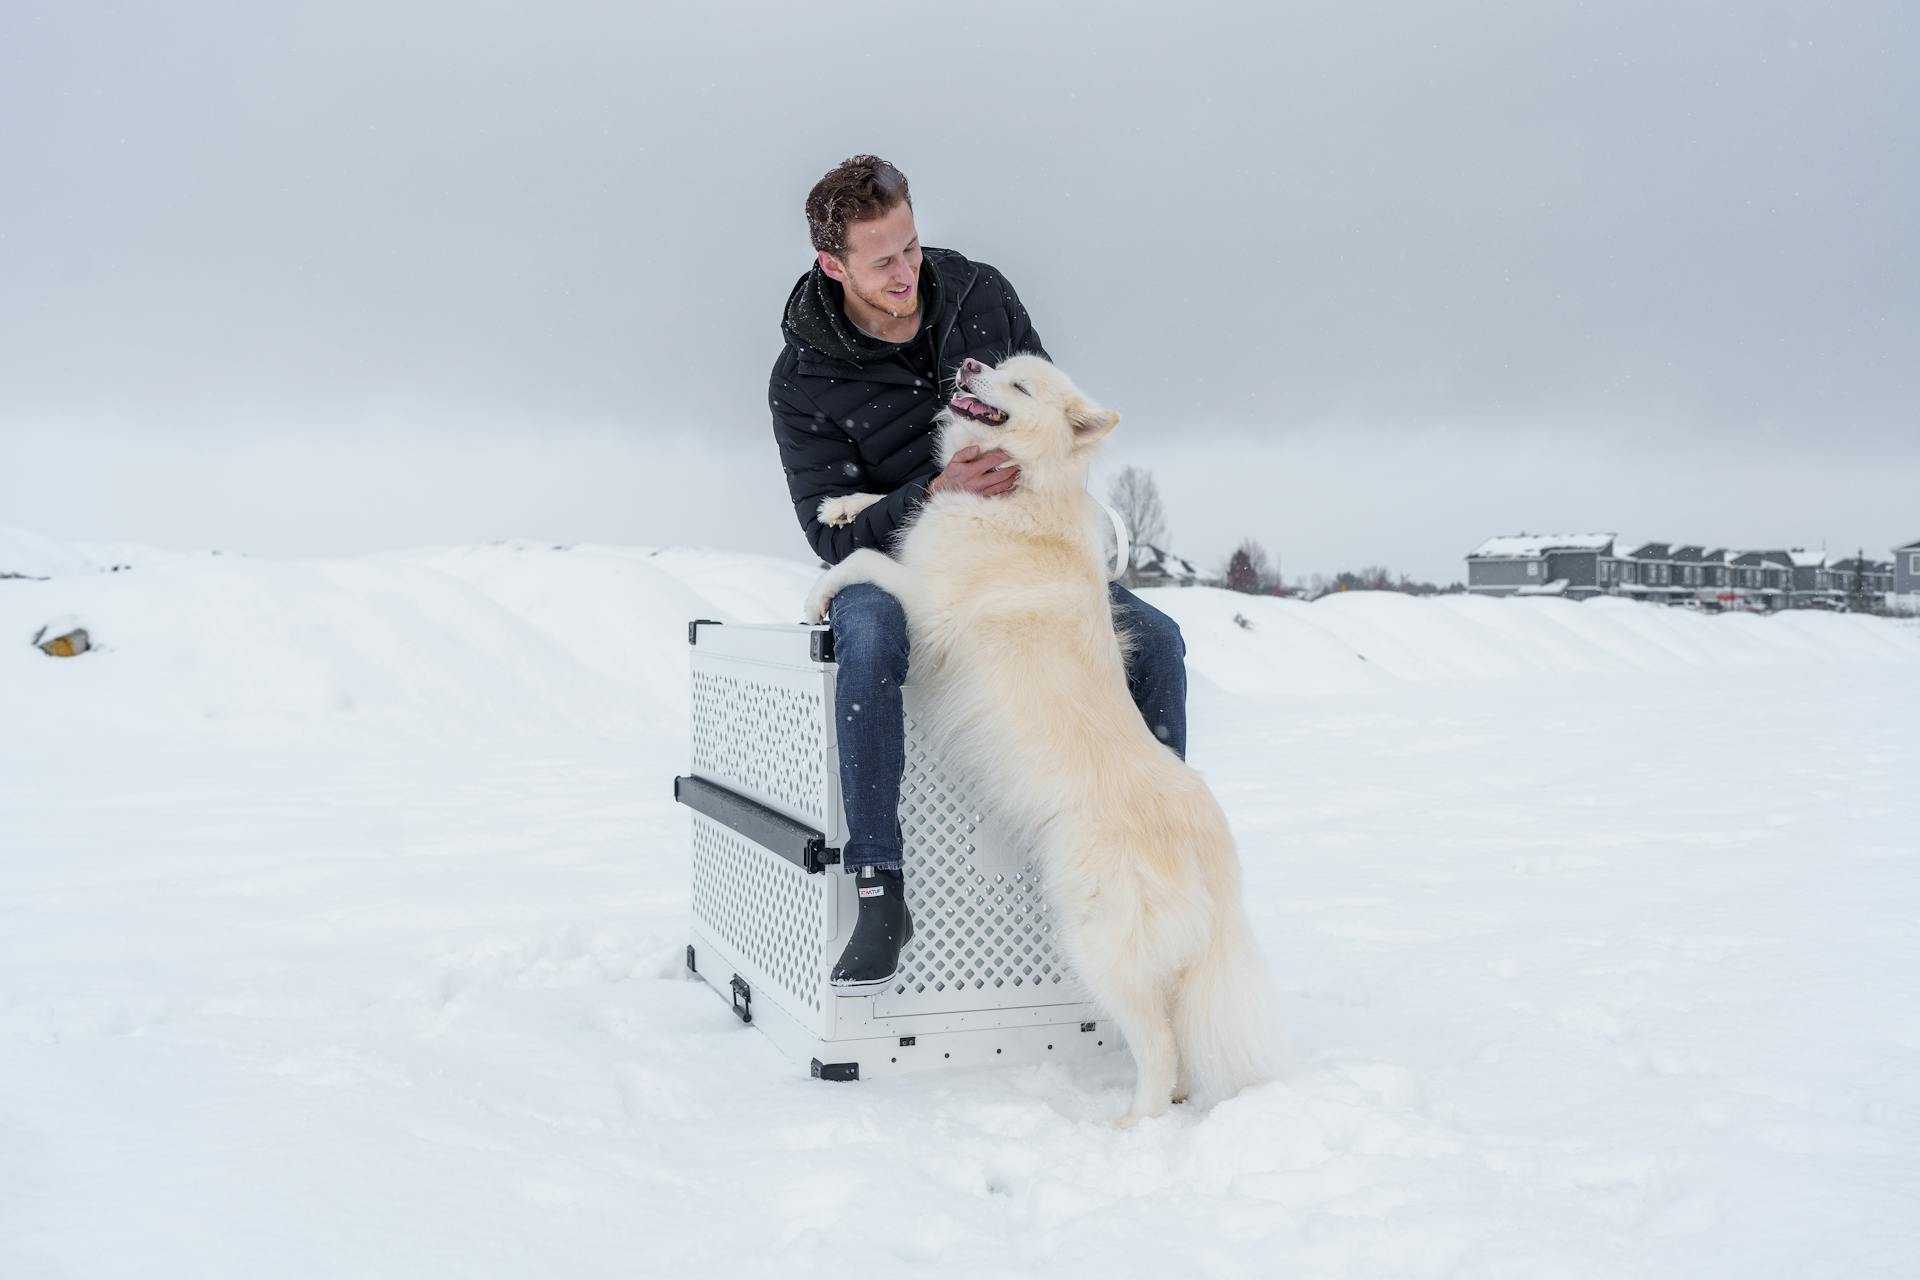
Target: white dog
<point>1014,646</point>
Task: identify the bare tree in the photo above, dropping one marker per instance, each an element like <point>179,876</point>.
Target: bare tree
<point>1375,577</point>
<point>1137,498</point>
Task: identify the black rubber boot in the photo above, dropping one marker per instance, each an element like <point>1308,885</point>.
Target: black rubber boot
<point>872,959</point>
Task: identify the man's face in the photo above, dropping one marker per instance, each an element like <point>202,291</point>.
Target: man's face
<point>882,263</point>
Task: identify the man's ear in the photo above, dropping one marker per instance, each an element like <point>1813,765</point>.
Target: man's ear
<point>1090,422</point>
<point>835,269</point>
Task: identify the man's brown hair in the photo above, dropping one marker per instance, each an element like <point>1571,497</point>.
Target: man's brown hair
<point>854,190</point>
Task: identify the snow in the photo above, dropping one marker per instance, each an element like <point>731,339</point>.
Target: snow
<point>1528,546</point>
<point>25,554</point>
<point>344,903</point>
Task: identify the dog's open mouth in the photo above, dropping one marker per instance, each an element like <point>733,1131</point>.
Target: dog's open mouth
<point>980,411</point>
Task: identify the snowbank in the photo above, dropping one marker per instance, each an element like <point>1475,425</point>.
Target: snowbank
<point>505,638</point>
<point>24,554</point>
<point>534,638</point>
<point>1379,641</point>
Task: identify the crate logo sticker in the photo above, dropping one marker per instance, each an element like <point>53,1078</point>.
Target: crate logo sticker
<point>875,892</point>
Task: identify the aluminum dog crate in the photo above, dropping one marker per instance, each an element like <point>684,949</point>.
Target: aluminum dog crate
<point>980,982</point>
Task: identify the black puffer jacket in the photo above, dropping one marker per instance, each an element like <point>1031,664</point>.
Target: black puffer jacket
<point>850,413</point>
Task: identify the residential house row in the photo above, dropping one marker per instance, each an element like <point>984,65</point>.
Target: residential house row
<point>1582,565</point>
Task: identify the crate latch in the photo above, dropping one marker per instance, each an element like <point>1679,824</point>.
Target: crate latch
<point>818,856</point>
<point>742,999</point>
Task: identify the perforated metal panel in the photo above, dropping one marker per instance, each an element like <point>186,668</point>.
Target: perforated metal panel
<point>983,931</point>
<point>759,731</point>
<point>770,913</point>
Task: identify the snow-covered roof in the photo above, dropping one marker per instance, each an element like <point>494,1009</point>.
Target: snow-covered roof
<point>1531,546</point>
<point>1640,549</point>
<point>1808,559</point>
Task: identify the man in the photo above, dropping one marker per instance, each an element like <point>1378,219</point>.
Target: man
<point>873,332</point>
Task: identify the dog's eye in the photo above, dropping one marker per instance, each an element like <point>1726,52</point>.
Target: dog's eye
<point>1021,387</point>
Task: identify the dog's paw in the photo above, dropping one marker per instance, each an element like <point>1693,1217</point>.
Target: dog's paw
<point>1149,1111</point>
<point>815,609</point>
<point>843,509</point>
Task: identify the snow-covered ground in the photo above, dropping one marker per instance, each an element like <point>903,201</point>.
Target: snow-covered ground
<point>342,906</point>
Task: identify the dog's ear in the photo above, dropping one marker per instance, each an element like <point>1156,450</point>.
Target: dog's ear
<point>1090,422</point>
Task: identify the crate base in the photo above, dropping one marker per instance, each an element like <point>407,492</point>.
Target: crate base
<point>986,1047</point>
<point>915,1042</point>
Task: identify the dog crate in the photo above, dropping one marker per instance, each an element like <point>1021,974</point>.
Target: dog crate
<point>981,981</point>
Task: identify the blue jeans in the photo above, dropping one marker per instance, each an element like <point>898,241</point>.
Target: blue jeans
<point>870,645</point>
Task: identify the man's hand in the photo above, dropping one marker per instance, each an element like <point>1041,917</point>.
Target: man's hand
<point>972,471</point>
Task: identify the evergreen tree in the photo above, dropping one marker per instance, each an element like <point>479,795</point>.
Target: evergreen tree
<point>1860,597</point>
<point>1242,573</point>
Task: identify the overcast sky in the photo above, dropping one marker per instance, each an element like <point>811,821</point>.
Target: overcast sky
<point>1368,282</point>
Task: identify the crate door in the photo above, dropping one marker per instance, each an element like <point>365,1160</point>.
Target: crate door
<point>983,931</point>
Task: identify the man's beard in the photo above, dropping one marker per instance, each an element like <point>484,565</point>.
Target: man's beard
<point>882,303</point>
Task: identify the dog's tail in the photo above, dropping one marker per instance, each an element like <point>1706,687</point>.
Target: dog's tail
<point>1226,1014</point>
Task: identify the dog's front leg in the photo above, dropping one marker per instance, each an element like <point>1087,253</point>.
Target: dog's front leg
<point>843,509</point>
<point>864,565</point>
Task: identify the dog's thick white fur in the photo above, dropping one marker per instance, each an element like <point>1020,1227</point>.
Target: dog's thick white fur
<point>1014,645</point>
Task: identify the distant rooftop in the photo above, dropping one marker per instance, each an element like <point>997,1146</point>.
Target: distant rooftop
<point>1523,546</point>
<point>1158,560</point>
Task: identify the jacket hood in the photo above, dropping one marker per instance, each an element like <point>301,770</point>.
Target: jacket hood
<point>816,315</point>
